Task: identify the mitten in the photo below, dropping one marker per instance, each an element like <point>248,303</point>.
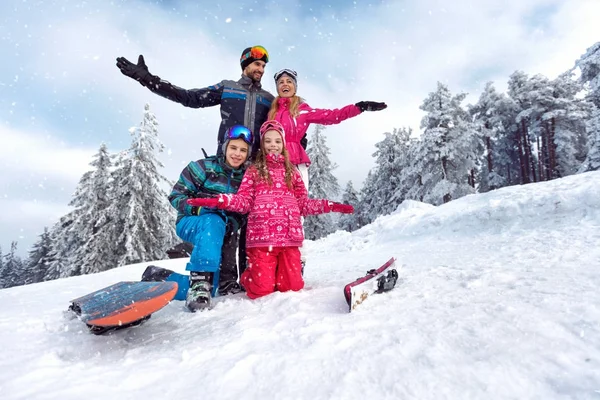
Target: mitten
<point>221,202</point>
<point>370,106</point>
<point>138,71</point>
<point>338,207</point>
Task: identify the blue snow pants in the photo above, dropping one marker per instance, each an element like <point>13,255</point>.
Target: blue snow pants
<point>206,232</point>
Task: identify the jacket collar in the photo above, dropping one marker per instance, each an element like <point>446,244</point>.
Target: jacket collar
<point>284,102</point>
<point>227,169</point>
<point>274,160</point>
<point>246,81</point>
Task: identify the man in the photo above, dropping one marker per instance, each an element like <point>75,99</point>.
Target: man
<point>243,102</point>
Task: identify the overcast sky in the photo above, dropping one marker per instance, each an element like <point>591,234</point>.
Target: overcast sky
<point>61,94</point>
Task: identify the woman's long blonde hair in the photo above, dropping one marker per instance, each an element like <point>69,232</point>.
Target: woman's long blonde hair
<point>263,171</point>
<point>295,102</point>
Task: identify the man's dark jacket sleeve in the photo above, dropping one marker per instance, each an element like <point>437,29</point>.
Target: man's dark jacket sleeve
<point>194,98</point>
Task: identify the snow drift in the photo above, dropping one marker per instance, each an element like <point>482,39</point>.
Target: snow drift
<point>497,298</point>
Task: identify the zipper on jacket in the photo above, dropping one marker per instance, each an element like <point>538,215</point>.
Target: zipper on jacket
<point>251,109</point>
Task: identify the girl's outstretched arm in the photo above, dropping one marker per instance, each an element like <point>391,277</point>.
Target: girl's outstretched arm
<point>307,206</point>
<point>328,117</point>
<point>240,202</point>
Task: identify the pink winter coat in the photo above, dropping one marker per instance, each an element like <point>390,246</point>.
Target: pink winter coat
<point>274,211</point>
<point>295,128</point>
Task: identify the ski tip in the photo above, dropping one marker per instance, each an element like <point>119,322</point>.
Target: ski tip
<point>358,291</point>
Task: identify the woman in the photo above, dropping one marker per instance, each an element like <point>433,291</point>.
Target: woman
<point>274,196</point>
<point>295,115</point>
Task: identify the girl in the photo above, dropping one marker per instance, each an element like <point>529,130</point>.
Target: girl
<point>274,196</point>
<point>295,116</point>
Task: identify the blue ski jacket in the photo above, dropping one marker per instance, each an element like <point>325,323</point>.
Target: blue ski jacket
<point>206,178</point>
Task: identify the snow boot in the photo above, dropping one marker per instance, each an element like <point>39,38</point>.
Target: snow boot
<point>153,273</point>
<point>230,287</point>
<point>159,274</point>
<point>198,295</point>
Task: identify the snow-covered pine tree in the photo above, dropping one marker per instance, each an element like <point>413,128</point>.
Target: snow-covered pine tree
<point>551,125</point>
<point>519,86</point>
<point>493,116</point>
<point>73,237</point>
<point>39,259</point>
<point>365,212</point>
<point>2,269</point>
<point>321,184</point>
<point>392,163</point>
<point>13,266</point>
<point>589,64</point>
<point>592,160</point>
<point>414,176</point>
<point>142,220</point>
<point>453,144</point>
<point>94,224</point>
<point>349,222</point>
<point>563,128</point>
<point>64,243</point>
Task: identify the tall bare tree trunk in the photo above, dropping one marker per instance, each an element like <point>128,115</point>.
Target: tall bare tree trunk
<point>447,197</point>
<point>540,150</point>
<point>420,180</point>
<point>522,160</point>
<point>488,144</point>
<point>488,147</point>
<point>530,163</point>
<point>490,164</point>
<point>555,173</point>
<point>545,152</point>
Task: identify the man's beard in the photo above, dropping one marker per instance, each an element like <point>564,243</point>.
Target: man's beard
<point>254,79</point>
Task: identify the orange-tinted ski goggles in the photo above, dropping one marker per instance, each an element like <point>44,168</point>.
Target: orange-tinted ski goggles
<point>256,52</point>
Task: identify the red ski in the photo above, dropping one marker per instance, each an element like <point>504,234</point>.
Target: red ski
<point>377,280</point>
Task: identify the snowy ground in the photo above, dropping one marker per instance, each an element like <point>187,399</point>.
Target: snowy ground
<point>499,299</point>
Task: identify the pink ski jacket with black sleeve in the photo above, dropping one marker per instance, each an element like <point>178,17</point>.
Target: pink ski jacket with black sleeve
<point>295,128</point>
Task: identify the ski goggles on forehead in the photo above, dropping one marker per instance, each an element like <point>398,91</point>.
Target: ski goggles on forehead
<point>240,132</point>
<point>256,52</point>
<point>293,74</point>
<point>271,125</point>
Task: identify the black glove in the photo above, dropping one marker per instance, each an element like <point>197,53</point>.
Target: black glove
<point>138,71</point>
<point>370,106</point>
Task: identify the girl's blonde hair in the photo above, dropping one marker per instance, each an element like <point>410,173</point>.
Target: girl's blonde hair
<point>295,102</point>
<point>263,171</point>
